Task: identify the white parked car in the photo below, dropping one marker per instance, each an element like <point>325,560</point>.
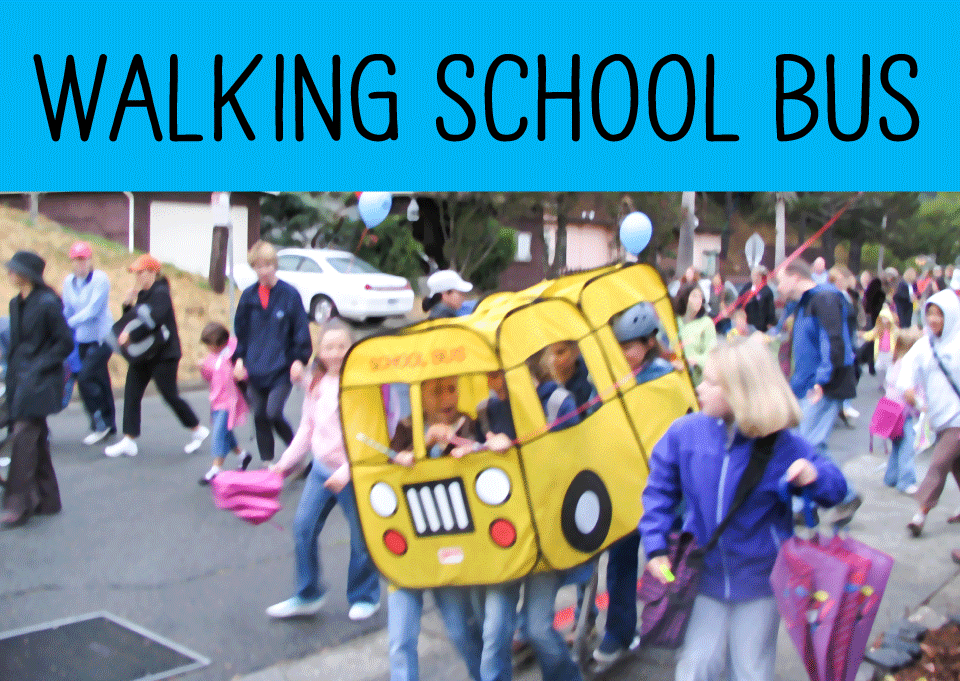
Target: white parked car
<point>337,283</point>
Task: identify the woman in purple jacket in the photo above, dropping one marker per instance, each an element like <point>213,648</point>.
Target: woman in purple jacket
<point>700,459</point>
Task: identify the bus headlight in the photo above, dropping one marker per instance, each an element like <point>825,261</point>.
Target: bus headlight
<point>383,500</point>
<point>493,486</point>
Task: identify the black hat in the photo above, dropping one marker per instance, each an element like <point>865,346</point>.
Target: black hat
<point>29,265</point>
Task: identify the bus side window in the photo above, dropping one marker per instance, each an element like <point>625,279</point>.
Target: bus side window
<point>396,404</point>
<point>567,368</point>
<point>638,331</point>
<point>559,404</point>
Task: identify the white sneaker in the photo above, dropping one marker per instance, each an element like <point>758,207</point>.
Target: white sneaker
<point>4,461</point>
<point>199,435</point>
<point>125,445</point>
<point>851,413</point>
<point>95,436</point>
<point>362,610</point>
<point>296,607</point>
<point>912,489</point>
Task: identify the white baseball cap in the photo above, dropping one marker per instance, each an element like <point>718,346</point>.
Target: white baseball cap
<point>447,280</point>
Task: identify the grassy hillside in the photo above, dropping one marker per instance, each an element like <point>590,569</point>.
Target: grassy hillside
<point>194,302</point>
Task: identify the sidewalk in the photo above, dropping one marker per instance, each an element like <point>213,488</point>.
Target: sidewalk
<point>923,574</point>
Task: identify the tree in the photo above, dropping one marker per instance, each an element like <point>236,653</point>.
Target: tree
<point>296,219</point>
<point>932,230</point>
<point>475,243</point>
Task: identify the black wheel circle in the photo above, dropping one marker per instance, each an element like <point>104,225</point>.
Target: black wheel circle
<point>322,309</point>
<point>586,491</point>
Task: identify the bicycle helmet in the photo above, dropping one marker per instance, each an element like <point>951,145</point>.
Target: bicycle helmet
<point>639,321</point>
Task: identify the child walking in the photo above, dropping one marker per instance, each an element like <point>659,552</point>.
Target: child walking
<point>701,459</point>
<point>327,483</point>
<point>900,469</point>
<point>442,421</point>
<point>228,409</point>
<point>884,337</point>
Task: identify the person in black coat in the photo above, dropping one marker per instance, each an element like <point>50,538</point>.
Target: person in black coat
<point>40,341</point>
<point>149,302</point>
<point>761,310</point>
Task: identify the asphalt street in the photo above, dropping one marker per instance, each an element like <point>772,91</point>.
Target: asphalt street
<point>139,538</point>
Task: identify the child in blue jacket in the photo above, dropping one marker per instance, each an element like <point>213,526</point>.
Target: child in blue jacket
<point>701,458</point>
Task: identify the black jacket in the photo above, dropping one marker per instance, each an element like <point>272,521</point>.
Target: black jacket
<point>155,307</point>
<point>40,341</point>
<point>761,310</point>
<point>873,299</point>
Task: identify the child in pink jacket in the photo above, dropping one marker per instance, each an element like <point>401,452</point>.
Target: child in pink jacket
<point>328,483</point>
<point>228,409</point>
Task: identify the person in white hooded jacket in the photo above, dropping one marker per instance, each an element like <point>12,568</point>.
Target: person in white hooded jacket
<point>934,363</point>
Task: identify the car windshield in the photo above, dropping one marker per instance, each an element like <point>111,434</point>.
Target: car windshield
<point>351,265</point>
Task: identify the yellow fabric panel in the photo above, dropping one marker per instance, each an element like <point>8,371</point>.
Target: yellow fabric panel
<point>617,290</point>
<point>414,357</point>
<point>654,405</point>
<point>552,461</point>
<point>447,559</point>
<point>531,328</point>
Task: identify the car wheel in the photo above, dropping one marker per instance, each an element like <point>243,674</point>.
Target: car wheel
<point>586,512</point>
<point>322,309</point>
<point>375,321</point>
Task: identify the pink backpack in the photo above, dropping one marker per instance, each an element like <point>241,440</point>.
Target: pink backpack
<point>250,495</point>
<point>888,419</point>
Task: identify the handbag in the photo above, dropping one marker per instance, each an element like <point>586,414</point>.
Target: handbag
<point>145,342</point>
<point>667,607</point>
<point>887,420</point>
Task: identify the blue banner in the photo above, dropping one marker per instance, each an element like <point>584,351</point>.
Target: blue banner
<point>433,96</point>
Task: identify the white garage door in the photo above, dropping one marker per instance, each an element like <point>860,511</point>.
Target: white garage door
<point>182,233</point>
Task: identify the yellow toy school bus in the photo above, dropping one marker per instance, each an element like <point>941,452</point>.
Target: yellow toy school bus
<point>557,498</point>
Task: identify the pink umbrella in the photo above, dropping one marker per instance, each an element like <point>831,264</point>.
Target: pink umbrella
<point>851,603</point>
<point>250,495</point>
<point>875,583</point>
<point>808,585</point>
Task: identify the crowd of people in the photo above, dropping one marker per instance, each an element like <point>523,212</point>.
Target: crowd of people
<point>771,388</point>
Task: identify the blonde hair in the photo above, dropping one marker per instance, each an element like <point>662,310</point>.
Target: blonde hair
<point>839,274</point>
<point>905,340</point>
<point>261,250</point>
<point>754,386</point>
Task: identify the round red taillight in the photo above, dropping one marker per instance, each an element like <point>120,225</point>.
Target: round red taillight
<point>395,542</point>
<point>503,533</point>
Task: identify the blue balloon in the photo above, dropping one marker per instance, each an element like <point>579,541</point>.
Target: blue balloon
<point>374,207</point>
<point>635,232</point>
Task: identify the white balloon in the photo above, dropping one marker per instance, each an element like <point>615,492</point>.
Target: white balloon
<point>374,207</point>
<point>635,232</point>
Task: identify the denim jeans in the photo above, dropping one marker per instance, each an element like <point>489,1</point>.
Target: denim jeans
<point>499,618</point>
<point>623,563</point>
<point>363,580</point>
<point>539,600</point>
<point>816,426</point>
<point>901,472</point>
<point>222,440</point>
<point>404,609</point>
<point>93,382</point>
